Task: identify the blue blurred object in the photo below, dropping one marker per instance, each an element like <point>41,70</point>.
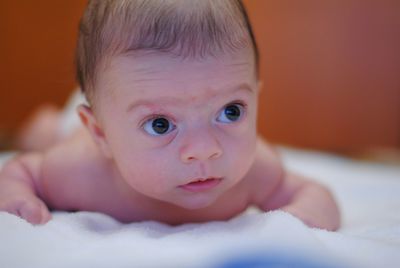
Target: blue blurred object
<point>273,261</point>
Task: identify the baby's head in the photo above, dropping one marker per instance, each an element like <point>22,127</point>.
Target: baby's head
<point>172,87</point>
<point>183,28</point>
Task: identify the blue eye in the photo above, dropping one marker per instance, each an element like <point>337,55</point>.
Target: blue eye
<point>158,126</point>
<point>231,113</point>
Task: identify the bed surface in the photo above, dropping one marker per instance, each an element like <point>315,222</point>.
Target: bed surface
<point>368,195</point>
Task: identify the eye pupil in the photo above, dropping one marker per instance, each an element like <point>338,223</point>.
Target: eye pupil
<point>232,112</point>
<point>160,125</point>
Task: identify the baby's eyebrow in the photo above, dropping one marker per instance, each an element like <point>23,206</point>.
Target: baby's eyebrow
<point>175,101</point>
<point>152,102</point>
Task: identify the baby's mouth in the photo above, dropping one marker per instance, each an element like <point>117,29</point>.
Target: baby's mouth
<point>201,184</point>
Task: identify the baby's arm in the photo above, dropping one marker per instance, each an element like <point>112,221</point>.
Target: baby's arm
<point>307,200</point>
<point>20,189</point>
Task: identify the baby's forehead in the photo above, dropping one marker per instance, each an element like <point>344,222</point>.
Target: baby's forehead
<point>152,74</point>
<point>155,69</point>
<point>152,62</point>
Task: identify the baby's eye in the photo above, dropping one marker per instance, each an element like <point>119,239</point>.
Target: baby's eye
<point>158,126</point>
<point>231,113</point>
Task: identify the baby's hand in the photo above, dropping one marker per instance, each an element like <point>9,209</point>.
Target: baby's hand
<point>28,207</point>
<point>19,187</point>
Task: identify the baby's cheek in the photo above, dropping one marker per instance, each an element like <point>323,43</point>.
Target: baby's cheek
<point>241,157</point>
<point>150,173</point>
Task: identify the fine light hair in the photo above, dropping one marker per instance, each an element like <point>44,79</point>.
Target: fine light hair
<point>185,28</point>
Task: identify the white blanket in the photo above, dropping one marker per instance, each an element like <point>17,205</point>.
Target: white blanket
<point>368,195</point>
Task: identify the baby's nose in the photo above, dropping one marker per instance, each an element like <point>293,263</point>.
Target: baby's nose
<point>200,146</point>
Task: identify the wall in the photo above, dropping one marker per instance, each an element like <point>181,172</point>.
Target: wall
<point>331,71</point>
<point>37,40</point>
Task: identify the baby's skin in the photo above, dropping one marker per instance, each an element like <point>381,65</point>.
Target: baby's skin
<point>168,139</point>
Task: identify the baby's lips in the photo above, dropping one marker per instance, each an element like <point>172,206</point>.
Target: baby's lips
<point>201,184</point>
<point>195,180</point>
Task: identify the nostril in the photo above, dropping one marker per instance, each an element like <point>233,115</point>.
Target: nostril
<point>215,155</point>
<point>212,156</point>
<point>200,151</point>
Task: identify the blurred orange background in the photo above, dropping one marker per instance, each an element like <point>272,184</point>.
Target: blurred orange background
<point>331,69</point>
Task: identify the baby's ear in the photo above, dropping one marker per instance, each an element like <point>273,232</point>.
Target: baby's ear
<point>90,122</point>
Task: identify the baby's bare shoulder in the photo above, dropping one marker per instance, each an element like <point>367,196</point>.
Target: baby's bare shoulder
<point>73,171</point>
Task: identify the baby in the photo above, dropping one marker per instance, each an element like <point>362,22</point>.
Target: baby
<point>170,126</point>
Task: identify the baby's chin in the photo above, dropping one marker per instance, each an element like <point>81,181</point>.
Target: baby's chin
<point>195,202</point>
